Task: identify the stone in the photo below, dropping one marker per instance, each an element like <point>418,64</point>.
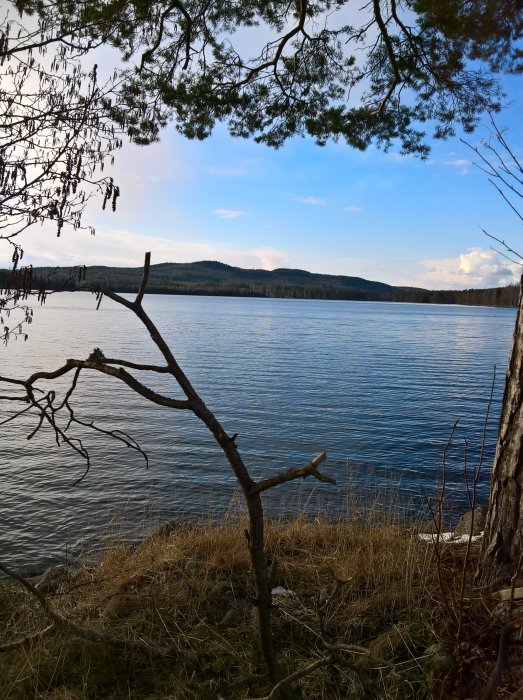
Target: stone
<point>439,661</point>
<point>235,615</point>
<point>440,665</point>
<point>221,588</point>
<point>52,579</point>
<point>464,523</point>
<point>121,605</point>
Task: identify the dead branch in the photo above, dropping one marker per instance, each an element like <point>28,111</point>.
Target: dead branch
<point>193,402</point>
<point>145,277</point>
<point>438,521</point>
<point>82,632</point>
<point>117,372</point>
<point>310,469</point>
<point>28,639</point>
<point>503,663</point>
<point>396,75</point>
<point>331,658</point>
<point>297,675</point>
<point>507,247</point>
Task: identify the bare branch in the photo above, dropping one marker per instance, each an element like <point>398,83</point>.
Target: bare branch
<point>150,52</point>
<point>507,200</point>
<point>390,53</point>
<point>310,469</point>
<point>301,673</point>
<point>28,639</point>
<point>506,246</point>
<point>117,372</point>
<point>503,662</point>
<point>145,277</point>
<point>72,628</point>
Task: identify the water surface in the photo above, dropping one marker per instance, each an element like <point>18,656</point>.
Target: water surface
<point>378,386</point>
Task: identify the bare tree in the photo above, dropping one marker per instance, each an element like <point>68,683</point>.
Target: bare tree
<point>55,140</point>
<point>49,411</point>
<point>502,547</point>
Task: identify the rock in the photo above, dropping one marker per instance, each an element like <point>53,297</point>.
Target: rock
<point>121,605</point>
<point>439,664</point>
<point>439,659</point>
<point>464,523</point>
<point>222,588</point>
<point>52,578</point>
<point>236,614</point>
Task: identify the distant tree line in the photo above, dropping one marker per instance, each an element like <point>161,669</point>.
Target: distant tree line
<point>496,296</point>
<point>69,280</point>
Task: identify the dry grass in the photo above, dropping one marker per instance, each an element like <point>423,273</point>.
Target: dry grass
<point>189,592</point>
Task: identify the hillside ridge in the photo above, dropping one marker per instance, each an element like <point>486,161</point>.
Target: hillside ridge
<point>214,278</point>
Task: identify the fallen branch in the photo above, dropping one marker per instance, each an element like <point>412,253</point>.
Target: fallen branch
<point>301,673</point>
<point>11,646</point>
<point>332,657</point>
<point>503,663</point>
<point>82,632</point>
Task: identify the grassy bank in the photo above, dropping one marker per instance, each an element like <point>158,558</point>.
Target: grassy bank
<point>367,594</point>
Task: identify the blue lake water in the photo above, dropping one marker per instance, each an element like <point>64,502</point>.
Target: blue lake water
<point>378,386</point>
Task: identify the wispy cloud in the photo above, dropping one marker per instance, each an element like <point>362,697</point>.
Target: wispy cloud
<point>313,201</point>
<point>461,164</point>
<point>352,207</point>
<point>124,248</point>
<point>229,213</point>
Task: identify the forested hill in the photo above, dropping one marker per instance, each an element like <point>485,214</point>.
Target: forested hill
<point>215,278</point>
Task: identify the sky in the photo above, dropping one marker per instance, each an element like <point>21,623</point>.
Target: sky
<point>381,216</point>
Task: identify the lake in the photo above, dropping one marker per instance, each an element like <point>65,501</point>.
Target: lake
<point>378,386</point>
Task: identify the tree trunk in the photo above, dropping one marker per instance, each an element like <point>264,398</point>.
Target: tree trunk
<point>502,548</point>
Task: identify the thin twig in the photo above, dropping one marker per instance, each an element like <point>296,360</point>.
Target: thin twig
<point>477,473</point>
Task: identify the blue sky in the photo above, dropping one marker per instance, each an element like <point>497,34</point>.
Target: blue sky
<point>332,209</point>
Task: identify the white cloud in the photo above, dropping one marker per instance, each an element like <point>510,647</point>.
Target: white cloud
<point>478,267</point>
<point>352,207</point>
<point>313,201</point>
<point>228,213</point>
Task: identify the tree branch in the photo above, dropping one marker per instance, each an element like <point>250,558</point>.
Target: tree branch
<point>117,372</point>
<point>310,469</point>
<point>507,247</point>
<point>78,631</point>
<point>27,639</point>
<point>392,57</point>
<point>145,277</point>
<point>503,663</point>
